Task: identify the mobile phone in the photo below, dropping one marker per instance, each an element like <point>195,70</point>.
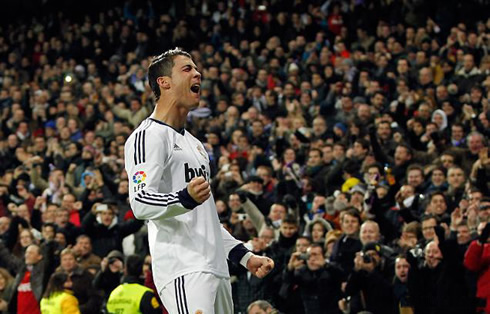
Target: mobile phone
<point>101,207</point>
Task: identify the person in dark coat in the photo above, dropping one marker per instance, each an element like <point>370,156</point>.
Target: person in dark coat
<point>110,273</point>
<point>318,282</point>
<point>348,244</point>
<point>369,279</point>
<point>102,227</point>
<point>437,282</point>
<point>280,251</point>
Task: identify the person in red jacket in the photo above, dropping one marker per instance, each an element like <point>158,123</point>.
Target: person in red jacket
<point>477,259</point>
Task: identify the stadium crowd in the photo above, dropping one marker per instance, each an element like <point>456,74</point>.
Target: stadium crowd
<point>348,142</point>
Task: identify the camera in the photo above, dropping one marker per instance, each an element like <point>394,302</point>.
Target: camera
<point>417,252</point>
<point>242,217</point>
<point>366,258</point>
<point>304,257</point>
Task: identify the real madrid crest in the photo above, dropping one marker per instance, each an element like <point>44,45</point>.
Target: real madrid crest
<point>202,152</point>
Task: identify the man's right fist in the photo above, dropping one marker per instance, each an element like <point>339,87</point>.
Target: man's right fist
<point>199,189</point>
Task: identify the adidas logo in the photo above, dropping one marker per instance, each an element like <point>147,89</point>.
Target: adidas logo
<point>176,147</point>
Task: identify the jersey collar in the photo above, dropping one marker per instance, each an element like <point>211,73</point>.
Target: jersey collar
<point>181,131</point>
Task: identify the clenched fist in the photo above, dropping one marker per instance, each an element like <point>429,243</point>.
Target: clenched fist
<point>199,189</point>
<point>260,266</point>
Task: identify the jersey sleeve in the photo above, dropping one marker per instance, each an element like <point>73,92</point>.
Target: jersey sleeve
<point>149,304</point>
<point>234,249</point>
<point>146,153</point>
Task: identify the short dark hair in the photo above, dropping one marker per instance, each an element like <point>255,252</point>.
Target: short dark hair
<point>378,166</point>
<point>416,167</point>
<point>419,120</point>
<point>429,216</point>
<point>134,265</point>
<point>316,150</point>
<point>363,142</point>
<point>162,66</point>
<point>384,122</point>
<point>290,219</point>
<point>319,245</point>
<point>351,211</point>
<point>459,125</point>
<point>407,147</point>
<point>50,224</point>
<point>433,194</point>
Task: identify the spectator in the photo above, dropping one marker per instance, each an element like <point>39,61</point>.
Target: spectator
<point>369,232</point>
<point>279,251</point>
<point>289,292</point>
<point>6,281</point>
<point>317,230</point>
<point>64,226</point>
<point>84,255</point>
<point>277,213</point>
<point>131,296</point>
<point>110,273</point>
<point>31,280</point>
<point>400,289</point>
<point>348,245</point>
<point>430,285</point>
<point>101,225</point>
<point>318,283</point>
<point>57,297</point>
<point>476,260</point>
<point>261,307</point>
<point>369,279</point>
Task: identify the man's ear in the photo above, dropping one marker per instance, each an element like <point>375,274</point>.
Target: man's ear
<point>164,82</point>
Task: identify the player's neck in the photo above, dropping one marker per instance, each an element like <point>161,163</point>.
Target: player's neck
<point>170,113</point>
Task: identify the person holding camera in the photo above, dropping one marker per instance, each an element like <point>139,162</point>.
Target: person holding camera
<point>369,282</point>
<point>100,224</point>
<point>110,273</point>
<point>436,280</point>
<point>280,251</point>
<point>317,281</point>
<point>289,292</point>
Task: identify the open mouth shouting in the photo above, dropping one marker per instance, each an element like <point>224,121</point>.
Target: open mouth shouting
<point>196,88</point>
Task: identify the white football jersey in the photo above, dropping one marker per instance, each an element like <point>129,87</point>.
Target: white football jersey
<point>160,162</point>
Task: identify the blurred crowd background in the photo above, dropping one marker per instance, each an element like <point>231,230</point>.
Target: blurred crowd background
<point>348,141</point>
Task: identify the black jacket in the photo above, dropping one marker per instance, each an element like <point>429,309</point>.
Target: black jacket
<point>375,289</point>
<point>320,289</point>
<point>442,289</point>
<point>343,254</point>
<point>106,239</point>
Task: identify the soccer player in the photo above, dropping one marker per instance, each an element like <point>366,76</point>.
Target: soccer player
<point>168,171</point>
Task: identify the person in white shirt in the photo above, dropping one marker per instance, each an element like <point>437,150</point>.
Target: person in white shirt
<point>168,171</point>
